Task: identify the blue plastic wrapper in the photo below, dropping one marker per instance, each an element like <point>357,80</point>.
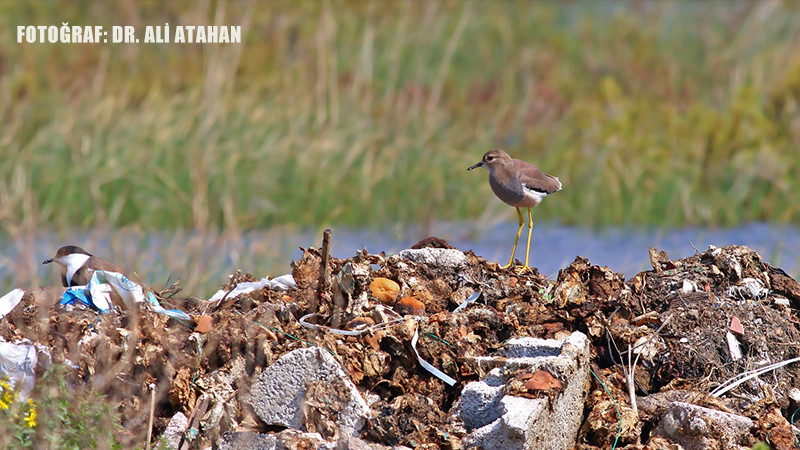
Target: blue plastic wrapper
<point>97,294</point>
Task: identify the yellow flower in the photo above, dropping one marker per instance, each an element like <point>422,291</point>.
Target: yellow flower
<point>30,419</point>
<point>7,399</point>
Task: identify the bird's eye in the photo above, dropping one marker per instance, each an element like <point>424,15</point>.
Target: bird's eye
<point>489,158</point>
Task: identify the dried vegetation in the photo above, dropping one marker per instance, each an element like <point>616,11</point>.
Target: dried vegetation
<point>676,319</point>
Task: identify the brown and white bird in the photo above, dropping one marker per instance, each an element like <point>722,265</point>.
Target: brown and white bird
<point>519,184</point>
<point>77,265</point>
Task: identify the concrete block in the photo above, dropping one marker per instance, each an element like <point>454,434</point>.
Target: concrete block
<point>498,420</point>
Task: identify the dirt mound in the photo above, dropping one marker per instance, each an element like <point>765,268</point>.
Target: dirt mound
<point>690,326</point>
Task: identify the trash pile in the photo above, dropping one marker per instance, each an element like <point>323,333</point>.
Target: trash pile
<point>438,348</point>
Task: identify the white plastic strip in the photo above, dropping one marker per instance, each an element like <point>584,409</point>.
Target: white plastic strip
<point>725,387</point>
<point>358,331</point>
<point>438,373</point>
<point>312,326</point>
<point>10,301</point>
<point>469,300</point>
<point>280,283</point>
<point>733,346</point>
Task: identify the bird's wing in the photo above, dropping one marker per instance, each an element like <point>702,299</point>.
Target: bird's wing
<point>536,180</point>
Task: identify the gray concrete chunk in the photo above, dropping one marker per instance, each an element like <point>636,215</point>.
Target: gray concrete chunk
<point>308,390</point>
<point>695,427</point>
<point>175,428</point>
<point>438,257</point>
<point>498,420</point>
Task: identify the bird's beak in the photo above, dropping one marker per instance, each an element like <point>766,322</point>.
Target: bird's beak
<point>475,166</point>
<point>47,261</point>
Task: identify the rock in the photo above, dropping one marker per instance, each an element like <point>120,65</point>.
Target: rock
<point>175,429</point>
<point>410,306</point>
<point>777,430</point>
<point>204,324</point>
<point>308,390</point>
<point>292,439</point>
<point>385,290</point>
<point>542,380</point>
<point>780,301</point>
<point>694,427</point>
<point>511,422</point>
<point>246,440</point>
<point>439,257</point>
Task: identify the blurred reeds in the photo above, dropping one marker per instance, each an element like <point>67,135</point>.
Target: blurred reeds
<point>366,114</point>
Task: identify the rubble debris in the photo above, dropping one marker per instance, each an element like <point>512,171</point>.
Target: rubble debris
<point>307,390</point>
<point>695,428</point>
<point>512,408</point>
<point>438,257</point>
<point>247,440</point>
<point>735,326</point>
<point>409,377</point>
<point>175,429</point>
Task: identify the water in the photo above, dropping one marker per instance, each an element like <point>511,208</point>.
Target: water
<point>623,250</point>
<point>203,261</point>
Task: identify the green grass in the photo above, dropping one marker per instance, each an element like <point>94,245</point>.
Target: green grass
<point>364,114</point>
<point>65,417</point>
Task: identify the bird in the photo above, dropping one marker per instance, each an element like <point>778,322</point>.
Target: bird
<point>78,265</point>
<point>519,184</point>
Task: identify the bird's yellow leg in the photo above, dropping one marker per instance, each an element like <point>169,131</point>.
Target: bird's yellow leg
<point>528,249</point>
<point>516,241</point>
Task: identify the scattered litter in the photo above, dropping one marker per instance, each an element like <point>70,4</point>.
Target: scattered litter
<point>436,372</point>
<point>18,364</point>
<point>736,326</point>
<point>688,287</point>
<point>359,328</point>
<point>280,283</point>
<point>782,301</point>
<point>733,346</point>
<point>475,295</point>
<point>749,288</point>
<point>749,375</point>
<point>9,301</point>
<point>105,286</point>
